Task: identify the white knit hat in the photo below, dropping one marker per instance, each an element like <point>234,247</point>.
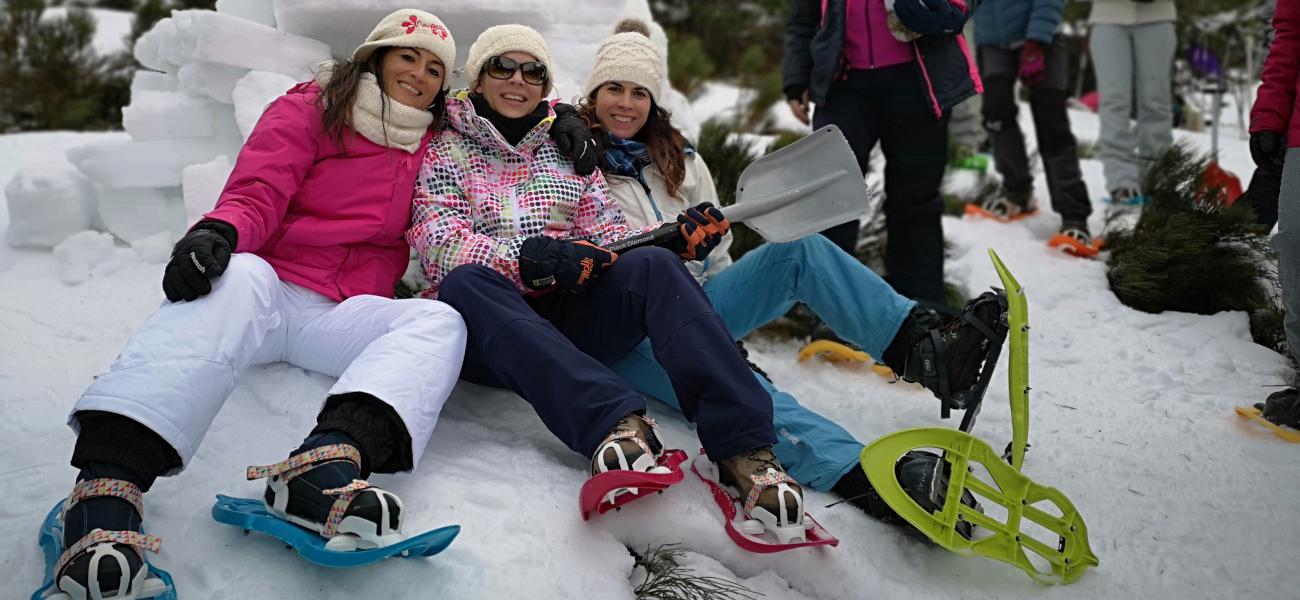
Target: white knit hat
<point>500,39</point>
<point>412,28</point>
<point>628,55</point>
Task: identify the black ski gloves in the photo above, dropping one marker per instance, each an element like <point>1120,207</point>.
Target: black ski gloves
<point>702,226</point>
<point>568,264</point>
<point>928,17</point>
<point>573,138</point>
<point>201,256</point>
<point>1267,149</point>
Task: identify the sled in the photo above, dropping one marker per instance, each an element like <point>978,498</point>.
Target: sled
<point>158,585</point>
<point>750,534</point>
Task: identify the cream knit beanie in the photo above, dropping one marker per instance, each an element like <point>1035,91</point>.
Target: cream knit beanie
<point>628,55</point>
<point>412,28</point>
<point>500,39</point>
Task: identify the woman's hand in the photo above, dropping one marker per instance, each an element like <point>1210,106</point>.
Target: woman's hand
<point>198,258</point>
<point>568,264</point>
<point>573,138</point>
<point>703,226</point>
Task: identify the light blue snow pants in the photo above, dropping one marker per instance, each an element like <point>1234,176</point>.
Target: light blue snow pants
<point>1133,65</point>
<point>762,286</point>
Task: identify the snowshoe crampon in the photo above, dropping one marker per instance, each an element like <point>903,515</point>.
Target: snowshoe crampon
<point>625,486</point>
<point>1254,414</point>
<point>158,583</point>
<point>836,352</point>
<point>751,534</point>
<point>251,515</point>
<point>1031,526</point>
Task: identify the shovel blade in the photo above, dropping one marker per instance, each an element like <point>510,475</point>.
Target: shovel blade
<point>801,189</point>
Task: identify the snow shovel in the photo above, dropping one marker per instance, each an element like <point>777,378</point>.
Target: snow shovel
<point>801,189</point>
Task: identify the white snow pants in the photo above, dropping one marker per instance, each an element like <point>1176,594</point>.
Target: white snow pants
<point>176,371</point>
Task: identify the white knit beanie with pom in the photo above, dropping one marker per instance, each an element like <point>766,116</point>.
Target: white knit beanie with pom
<point>628,55</point>
<point>500,39</point>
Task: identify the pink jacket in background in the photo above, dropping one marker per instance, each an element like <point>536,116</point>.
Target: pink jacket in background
<point>1277,105</point>
<point>330,221</point>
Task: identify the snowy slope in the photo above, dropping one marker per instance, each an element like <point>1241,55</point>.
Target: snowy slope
<point>1131,418</point>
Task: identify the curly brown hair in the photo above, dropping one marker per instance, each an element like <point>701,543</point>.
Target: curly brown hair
<point>666,144</point>
<point>340,93</point>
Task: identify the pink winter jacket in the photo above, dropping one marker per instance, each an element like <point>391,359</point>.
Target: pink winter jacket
<point>327,220</point>
<point>1277,104</point>
<point>478,198</point>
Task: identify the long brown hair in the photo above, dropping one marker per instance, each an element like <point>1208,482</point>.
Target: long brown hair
<point>340,93</point>
<point>666,144</point>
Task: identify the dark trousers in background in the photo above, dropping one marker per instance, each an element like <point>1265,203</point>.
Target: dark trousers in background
<point>553,351</point>
<point>999,68</point>
<point>889,105</point>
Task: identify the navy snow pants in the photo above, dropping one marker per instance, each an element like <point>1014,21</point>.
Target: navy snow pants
<point>554,350</point>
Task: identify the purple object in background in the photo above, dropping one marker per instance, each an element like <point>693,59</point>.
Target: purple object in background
<point>1204,61</point>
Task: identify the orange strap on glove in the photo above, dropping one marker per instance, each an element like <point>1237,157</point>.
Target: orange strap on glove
<point>567,264</point>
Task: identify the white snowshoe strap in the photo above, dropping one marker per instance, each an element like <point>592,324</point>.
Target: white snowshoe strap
<point>96,488</point>
<point>629,434</point>
<point>761,483</point>
<point>301,463</point>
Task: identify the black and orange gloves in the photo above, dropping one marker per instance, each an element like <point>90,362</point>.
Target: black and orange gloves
<point>702,226</point>
<point>567,264</point>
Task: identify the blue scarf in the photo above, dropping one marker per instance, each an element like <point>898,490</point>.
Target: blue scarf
<point>626,157</point>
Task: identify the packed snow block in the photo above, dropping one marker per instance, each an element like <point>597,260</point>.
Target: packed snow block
<point>153,81</point>
<point>253,93</point>
<point>202,185</point>
<point>48,201</point>
<point>215,81</point>
<point>170,115</point>
<point>151,46</point>
<point>150,163</point>
<point>204,35</point>
<point>90,253</point>
<point>257,11</point>
<point>133,214</point>
<point>343,25</point>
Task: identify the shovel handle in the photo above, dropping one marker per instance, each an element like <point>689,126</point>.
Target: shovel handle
<point>659,236</point>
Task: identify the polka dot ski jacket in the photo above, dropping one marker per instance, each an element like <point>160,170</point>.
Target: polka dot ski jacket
<point>477,198</point>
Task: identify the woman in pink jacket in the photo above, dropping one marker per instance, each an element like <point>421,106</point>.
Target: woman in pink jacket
<point>297,263</point>
<point>1275,146</point>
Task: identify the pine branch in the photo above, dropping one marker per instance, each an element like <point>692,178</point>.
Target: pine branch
<point>667,580</point>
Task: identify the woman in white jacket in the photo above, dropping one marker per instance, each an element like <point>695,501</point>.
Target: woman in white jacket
<point>654,174</point>
<point>1132,46</point>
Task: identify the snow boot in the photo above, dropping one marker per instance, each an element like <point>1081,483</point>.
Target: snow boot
<point>1003,209</point>
<point>771,497</point>
<point>952,357</point>
<point>320,488</point>
<point>1075,239</point>
<point>1282,408</point>
<point>1124,210</point>
<point>923,475</point>
<point>104,545</point>
<point>632,445</point>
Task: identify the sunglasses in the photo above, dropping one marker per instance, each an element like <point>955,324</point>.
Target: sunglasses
<point>504,67</point>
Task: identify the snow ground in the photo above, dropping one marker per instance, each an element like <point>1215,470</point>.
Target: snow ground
<point>1131,417</point>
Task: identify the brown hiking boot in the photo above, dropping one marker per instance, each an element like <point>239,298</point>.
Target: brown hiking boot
<point>771,497</point>
<point>631,445</point>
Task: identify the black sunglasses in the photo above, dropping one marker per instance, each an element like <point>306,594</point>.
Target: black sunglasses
<point>504,67</point>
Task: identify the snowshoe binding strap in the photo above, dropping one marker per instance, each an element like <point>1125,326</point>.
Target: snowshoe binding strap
<point>1001,209</point>
<point>1077,242</point>
<point>298,464</point>
<point>95,488</point>
<point>301,463</point>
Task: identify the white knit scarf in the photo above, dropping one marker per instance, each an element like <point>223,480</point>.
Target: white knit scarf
<point>400,126</point>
